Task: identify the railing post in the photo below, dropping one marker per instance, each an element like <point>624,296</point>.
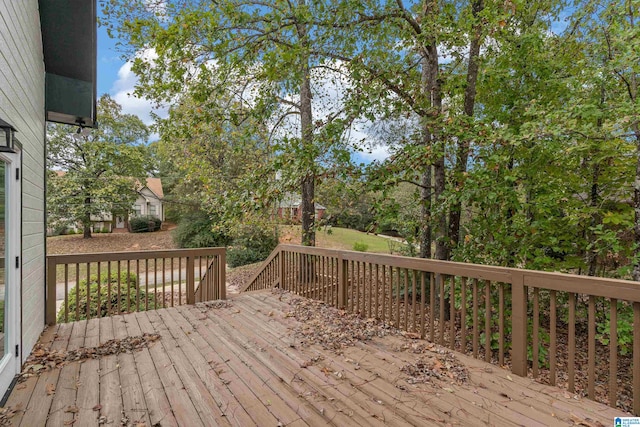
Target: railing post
<point>519,324</point>
<point>281,269</point>
<point>51,291</point>
<point>342,283</point>
<point>191,297</point>
<point>222,282</point>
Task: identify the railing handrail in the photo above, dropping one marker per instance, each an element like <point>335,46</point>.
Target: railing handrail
<point>189,255</point>
<point>268,261</point>
<point>124,256</point>
<point>597,286</point>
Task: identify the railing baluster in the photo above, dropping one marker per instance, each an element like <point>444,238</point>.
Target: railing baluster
<point>370,287</point>
<point>572,342</point>
<point>476,333</point>
<point>88,310</point>
<point>109,288</point>
<point>553,339</point>
<point>98,307</point>
<point>536,332</point>
<point>155,282</point>
<point>397,323</point>
<point>432,307</point>
<point>128,287</point>
<point>441,321</point>
<point>119,292</point>
<point>613,352</point>
<point>636,357</point>
<point>384,292</point>
<point>452,313</point>
<point>463,314</point>
<point>487,320</point>
<point>592,348</point>
<point>377,290</point>
<point>77,291</point>
<point>501,324</point>
<point>164,285</point>
<point>146,284</point>
<point>423,277</point>
<point>406,299</point>
<point>413,300</point>
<point>66,293</point>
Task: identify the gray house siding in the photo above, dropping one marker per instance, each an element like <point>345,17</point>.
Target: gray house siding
<point>22,104</point>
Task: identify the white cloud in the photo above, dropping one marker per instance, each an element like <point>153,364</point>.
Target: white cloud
<point>122,92</point>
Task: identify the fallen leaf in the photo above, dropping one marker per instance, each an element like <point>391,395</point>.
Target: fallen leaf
<point>97,407</point>
<point>51,389</point>
<point>509,378</point>
<point>70,422</point>
<point>72,409</point>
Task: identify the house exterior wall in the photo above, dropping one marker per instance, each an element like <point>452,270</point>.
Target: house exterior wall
<point>147,202</point>
<point>22,104</point>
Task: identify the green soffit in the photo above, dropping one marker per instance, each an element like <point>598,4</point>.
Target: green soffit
<point>69,44</point>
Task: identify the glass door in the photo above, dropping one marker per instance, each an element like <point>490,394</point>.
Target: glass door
<point>10,272</point>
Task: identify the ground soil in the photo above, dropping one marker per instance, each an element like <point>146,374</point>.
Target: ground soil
<point>115,242</point>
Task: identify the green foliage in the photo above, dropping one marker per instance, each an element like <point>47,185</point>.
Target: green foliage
<point>198,230</point>
<point>128,284</point>
<point>252,243</point>
<point>144,224</point>
<point>360,246</point>
<point>96,171</point>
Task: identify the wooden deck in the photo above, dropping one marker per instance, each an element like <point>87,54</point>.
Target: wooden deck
<point>241,365</point>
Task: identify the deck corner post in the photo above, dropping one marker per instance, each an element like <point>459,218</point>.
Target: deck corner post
<point>50,313</point>
<point>519,324</point>
<point>222,279</point>
<point>191,297</point>
<point>281,269</point>
<point>342,283</point>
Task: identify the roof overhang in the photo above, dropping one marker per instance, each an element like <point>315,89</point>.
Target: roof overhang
<point>69,44</point>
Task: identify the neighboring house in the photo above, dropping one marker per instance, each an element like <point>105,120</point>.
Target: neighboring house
<point>47,73</point>
<point>290,207</point>
<point>149,202</point>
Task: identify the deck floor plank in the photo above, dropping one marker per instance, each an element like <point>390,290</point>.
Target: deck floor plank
<point>160,412</point>
<point>280,400</point>
<point>133,400</point>
<point>89,380</point>
<point>63,406</point>
<point>110,394</point>
<point>360,408</point>
<point>183,408</point>
<point>23,392</point>
<point>394,403</point>
<point>236,400</point>
<point>240,364</point>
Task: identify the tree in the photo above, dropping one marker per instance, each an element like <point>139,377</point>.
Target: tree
<point>262,56</point>
<point>95,173</point>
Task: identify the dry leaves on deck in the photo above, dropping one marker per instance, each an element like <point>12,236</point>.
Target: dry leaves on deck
<point>333,328</point>
<point>6,414</point>
<point>43,359</point>
<point>442,365</point>
<point>217,304</point>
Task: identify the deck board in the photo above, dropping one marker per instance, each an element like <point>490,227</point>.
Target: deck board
<point>240,365</point>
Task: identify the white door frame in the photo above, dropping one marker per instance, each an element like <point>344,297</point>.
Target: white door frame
<point>10,363</point>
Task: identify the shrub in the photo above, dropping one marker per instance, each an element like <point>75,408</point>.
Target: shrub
<point>143,224</point>
<point>102,311</point>
<point>360,246</point>
<point>195,230</point>
<point>253,243</point>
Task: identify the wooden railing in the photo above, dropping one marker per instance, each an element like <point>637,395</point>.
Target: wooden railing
<point>84,286</point>
<point>578,332</point>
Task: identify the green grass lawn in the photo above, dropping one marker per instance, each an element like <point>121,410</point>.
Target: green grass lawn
<point>342,238</point>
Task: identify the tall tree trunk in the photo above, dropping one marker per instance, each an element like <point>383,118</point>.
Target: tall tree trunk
<point>86,220</point>
<point>306,123</point>
<point>435,93</point>
<point>592,254</point>
<point>425,190</point>
<point>462,156</point>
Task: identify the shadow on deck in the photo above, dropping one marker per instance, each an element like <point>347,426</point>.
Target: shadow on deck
<point>248,361</point>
